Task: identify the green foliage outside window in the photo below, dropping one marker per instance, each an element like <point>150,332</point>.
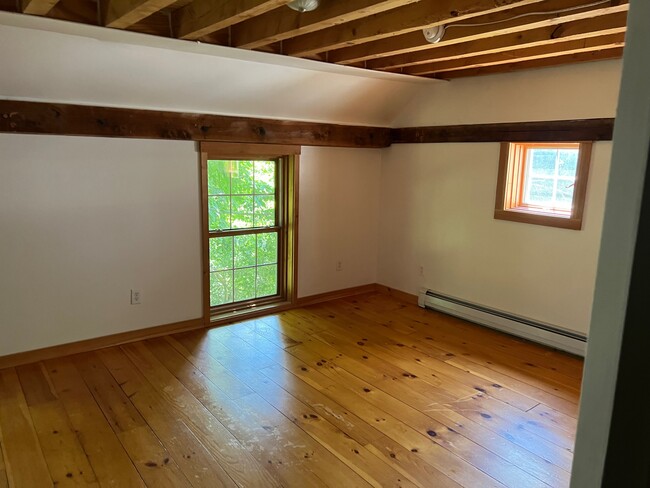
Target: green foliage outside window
<point>242,195</point>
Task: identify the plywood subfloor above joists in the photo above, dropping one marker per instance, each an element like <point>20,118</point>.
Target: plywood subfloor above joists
<point>480,36</point>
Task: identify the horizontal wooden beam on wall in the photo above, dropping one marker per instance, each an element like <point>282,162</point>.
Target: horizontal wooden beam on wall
<point>550,131</point>
<point>81,120</point>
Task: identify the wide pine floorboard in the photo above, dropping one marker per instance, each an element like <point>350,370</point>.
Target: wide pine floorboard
<point>363,391</point>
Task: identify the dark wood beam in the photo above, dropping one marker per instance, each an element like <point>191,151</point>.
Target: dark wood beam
<point>550,131</point>
<point>80,120</point>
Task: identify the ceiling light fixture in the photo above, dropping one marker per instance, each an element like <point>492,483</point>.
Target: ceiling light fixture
<point>434,34</point>
<point>303,5</point>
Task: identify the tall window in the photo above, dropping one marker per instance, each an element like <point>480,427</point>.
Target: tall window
<point>543,183</point>
<point>250,226</point>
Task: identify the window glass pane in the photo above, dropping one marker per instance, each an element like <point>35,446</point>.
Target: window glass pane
<point>264,177</point>
<point>540,191</point>
<point>568,162</point>
<point>220,288</point>
<point>221,253</point>
<point>564,194</point>
<point>242,212</point>
<point>245,251</point>
<point>244,284</point>
<point>542,161</point>
<point>218,177</point>
<point>219,213</point>
<point>267,280</point>
<point>267,248</point>
<point>264,210</point>
<point>242,178</point>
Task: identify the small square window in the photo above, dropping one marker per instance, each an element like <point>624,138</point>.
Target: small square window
<point>543,183</point>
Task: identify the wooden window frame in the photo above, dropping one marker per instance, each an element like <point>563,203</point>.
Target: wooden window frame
<point>509,205</point>
<point>288,157</point>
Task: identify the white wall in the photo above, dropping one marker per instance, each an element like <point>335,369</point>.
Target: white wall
<point>437,213</point>
<point>49,60</point>
<point>437,200</point>
<point>578,91</point>
<point>84,220</point>
<point>339,218</point>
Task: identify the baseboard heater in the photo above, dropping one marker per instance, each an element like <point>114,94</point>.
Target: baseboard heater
<point>540,332</point>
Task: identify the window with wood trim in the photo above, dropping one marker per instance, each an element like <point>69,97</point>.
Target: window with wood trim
<point>249,226</point>
<point>543,183</point>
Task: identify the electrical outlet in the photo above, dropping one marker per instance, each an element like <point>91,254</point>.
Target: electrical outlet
<point>339,266</point>
<point>135,297</point>
<point>421,270</point>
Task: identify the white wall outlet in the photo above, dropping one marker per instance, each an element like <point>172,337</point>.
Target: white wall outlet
<point>135,297</point>
<point>339,266</point>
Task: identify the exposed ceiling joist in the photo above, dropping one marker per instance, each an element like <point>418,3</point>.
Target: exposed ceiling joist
<point>415,17</point>
<point>575,58</point>
<point>285,23</point>
<point>124,13</point>
<point>202,17</point>
<point>553,34</point>
<point>514,20</point>
<point>37,7</point>
<point>479,36</point>
<point>519,55</point>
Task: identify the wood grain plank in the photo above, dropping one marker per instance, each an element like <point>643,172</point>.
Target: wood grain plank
<point>245,418</point>
<point>361,391</point>
<point>108,458</point>
<point>614,23</point>
<point>513,21</point>
<point>189,452</point>
<point>120,14</point>
<point>64,455</point>
<point>283,24</point>
<point>37,7</point>
<point>202,17</point>
<point>231,455</point>
<point>4,482</point>
<point>413,17</point>
<point>23,456</point>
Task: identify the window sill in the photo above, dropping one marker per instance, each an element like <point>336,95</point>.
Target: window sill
<point>549,220</point>
<point>248,313</point>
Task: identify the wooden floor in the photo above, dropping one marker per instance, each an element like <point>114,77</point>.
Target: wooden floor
<point>365,391</point>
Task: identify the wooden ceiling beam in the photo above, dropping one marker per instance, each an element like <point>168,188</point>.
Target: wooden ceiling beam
<point>564,47</point>
<point>121,14</point>
<point>544,131</point>
<point>575,58</point>
<point>37,7</point>
<point>579,29</point>
<point>22,117</point>
<point>203,17</point>
<point>286,23</point>
<point>414,41</point>
<point>415,17</point>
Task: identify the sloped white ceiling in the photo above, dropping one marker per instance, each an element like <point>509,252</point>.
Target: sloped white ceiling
<point>47,60</point>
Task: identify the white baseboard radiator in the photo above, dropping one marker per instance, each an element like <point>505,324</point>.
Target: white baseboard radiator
<point>549,335</point>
